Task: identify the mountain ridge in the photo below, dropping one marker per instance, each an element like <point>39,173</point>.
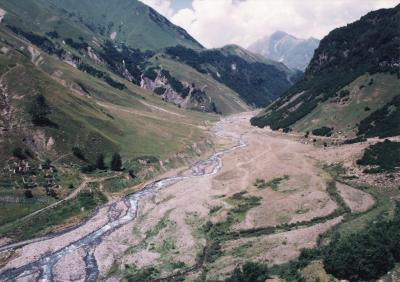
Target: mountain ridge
<point>283,47</point>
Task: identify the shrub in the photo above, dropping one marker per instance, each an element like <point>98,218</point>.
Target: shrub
<point>150,73</point>
<point>159,90</point>
<point>147,274</point>
<point>344,93</point>
<point>28,194</point>
<point>18,153</point>
<point>76,45</point>
<point>88,168</point>
<point>355,140</point>
<point>249,272</point>
<point>384,156</point>
<point>100,162</point>
<point>52,34</point>
<point>323,131</point>
<point>365,256</point>
<point>116,162</point>
<point>39,110</point>
<point>384,122</point>
<point>77,152</point>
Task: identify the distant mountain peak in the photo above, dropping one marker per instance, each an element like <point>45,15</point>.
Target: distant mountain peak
<point>280,46</point>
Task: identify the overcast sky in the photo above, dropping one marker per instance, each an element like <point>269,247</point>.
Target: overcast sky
<point>215,23</point>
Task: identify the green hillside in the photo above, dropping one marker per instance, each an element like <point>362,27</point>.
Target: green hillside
<point>123,37</point>
<point>128,21</point>
<point>93,108</point>
<point>351,84</point>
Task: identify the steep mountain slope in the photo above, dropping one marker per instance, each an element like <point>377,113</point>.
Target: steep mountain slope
<point>79,109</point>
<point>206,93</point>
<point>294,52</point>
<point>257,81</point>
<point>128,21</point>
<point>351,85</point>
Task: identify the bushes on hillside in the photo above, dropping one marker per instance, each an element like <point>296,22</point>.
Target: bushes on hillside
<point>41,41</point>
<point>19,153</point>
<point>100,164</point>
<point>383,157</point>
<point>76,45</point>
<point>355,140</point>
<point>116,162</point>
<point>121,58</point>
<point>384,122</point>
<point>249,272</point>
<point>176,85</point>
<point>323,131</point>
<point>102,75</point>
<point>160,90</point>
<point>77,152</point>
<point>39,111</point>
<point>365,256</point>
<point>88,168</point>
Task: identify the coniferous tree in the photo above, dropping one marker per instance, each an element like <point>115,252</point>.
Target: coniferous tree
<point>100,162</point>
<point>39,111</point>
<point>116,162</point>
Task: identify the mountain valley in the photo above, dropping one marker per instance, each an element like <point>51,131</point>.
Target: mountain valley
<point>130,152</point>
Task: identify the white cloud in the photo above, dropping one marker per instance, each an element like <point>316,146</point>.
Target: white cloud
<point>218,22</point>
<point>161,6</point>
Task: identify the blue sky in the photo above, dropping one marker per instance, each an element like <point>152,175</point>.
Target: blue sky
<point>215,23</point>
<point>180,4</point>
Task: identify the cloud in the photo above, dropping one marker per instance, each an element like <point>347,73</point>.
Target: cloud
<point>215,23</point>
<point>161,6</point>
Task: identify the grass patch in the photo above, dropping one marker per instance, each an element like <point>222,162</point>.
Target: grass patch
<point>214,210</point>
<point>242,249</point>
<point>163,223</point>
<point>42,223</point>
<point>216,233</point>
<point>118,184</point>
<point>274,183</point>
<point>242,204</point>
<point>13,211</point>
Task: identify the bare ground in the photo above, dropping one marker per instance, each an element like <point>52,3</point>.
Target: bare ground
<point>356,200</point>
<point>168,228</point>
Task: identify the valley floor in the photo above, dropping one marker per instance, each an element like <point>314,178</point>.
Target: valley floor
<point>262,196</point>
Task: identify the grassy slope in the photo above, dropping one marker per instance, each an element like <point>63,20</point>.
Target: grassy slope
<point>135,23</point>
<point>226,100</point>
<point>345,118</point>
<point>138,129</point>
<point>41,19</point>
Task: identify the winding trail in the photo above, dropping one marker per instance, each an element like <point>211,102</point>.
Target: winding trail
<point>41,269</point>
